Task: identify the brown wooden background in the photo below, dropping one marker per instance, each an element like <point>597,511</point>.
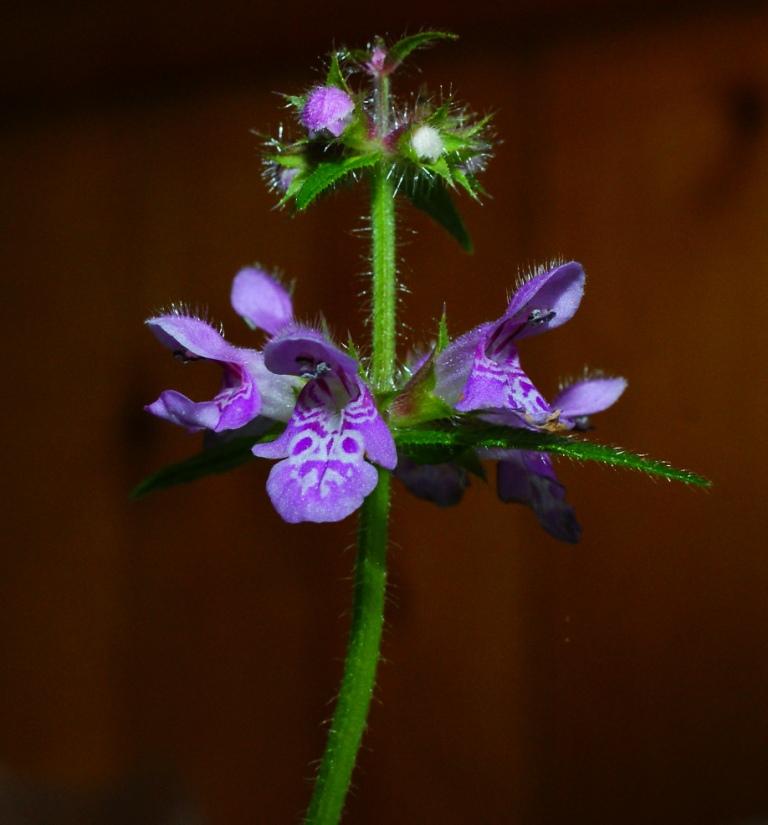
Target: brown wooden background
<point>625,680</point>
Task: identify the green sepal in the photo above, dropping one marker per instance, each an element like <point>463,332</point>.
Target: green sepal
<point>416,403</point>
<point>220,458</point>
<point>434,199</point>
<point>334,76</point>
<point>433,446</point>
<point>400,50</point>
<point>297,101</point>
<point>286,160</point>
<point>443,339</point>
<point>328,173</point>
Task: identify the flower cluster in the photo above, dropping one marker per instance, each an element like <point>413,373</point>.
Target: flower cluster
<point>343,130</point>
<point>334,431</point>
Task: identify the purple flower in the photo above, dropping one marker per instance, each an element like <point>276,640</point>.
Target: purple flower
<point>327,108</point>
<point>481,372</point>
<point>481,369</point>
<point>335,426</point>
<point>248,388</point>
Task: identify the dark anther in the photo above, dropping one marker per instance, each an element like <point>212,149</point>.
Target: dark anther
<point>541,316</point>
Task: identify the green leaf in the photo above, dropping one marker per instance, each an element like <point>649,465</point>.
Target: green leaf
<point>335,77</point>
<point>437,446</point>
<point>400,50</point>
<point>433,198</point>
<point>328,173</point>
<point>217,459</point>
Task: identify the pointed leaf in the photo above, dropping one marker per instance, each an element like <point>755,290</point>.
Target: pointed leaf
<point>335,77</point>
<point>426,445</point>
<point>400,50</point>
<point>436,202</point>
<point>328,173</point>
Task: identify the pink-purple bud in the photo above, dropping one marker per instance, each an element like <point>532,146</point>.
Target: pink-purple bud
<point>328,108</point>
<point>377,62</point>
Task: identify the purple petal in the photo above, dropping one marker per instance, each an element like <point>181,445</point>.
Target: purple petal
<point>528,478</point>
<point>454,364</point>
<point>327,108</point>
<point>261,300</point>
<point>238,401</point>
<point>442,484</point>
<point>235,405</point>
<point>324,475</point>
<point>502,386</point>
<point>590,396</point>
<point>546,301</point>
<point>191,338</point>
<point>298,350</point>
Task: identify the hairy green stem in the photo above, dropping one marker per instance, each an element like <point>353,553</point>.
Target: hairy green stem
<point>351,712</point>
<point>363,650</point>
<point>384,288</point>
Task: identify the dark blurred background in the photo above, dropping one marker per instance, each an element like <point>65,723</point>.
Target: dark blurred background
<point>173,660</point>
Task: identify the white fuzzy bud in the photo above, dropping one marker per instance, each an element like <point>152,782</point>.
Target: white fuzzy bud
<point>427,143</point>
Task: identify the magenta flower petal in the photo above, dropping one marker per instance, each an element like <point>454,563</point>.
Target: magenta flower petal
<point>544,302</point>
<point>191,338</point>
<point>261,300</point>
<point>194,415</point>
<point>528,478</point>
<point>238,401</point>
<point>587,397</point>
<point>504,386</point>
<point>299,350</point>
<point>324,475</point>
<point>327,108</point>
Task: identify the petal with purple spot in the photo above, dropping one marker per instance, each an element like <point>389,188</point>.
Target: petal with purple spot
<point>503,386</point>
<point>323,475</point>
<point>237,403</point>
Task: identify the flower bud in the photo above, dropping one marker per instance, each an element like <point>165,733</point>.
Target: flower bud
<point>376,64</point>
<point>328,108</point>
<point>427,143</point>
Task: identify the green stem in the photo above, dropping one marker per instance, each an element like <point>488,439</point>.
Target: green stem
<point>384,288</point>
<point>351,712</point>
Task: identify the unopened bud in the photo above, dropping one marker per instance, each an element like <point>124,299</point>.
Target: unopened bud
<point>328,108</point>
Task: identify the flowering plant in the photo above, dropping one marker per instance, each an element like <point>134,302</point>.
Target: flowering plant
<point>339,426</point>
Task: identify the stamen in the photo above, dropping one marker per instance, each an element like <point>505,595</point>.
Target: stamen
<point>541,316</point>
